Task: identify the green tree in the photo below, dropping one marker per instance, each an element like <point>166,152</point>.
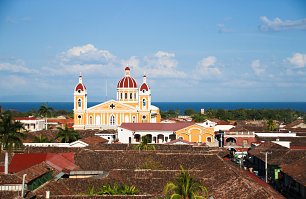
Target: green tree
<point>67,135</point>
<point>144,144</point>
<point>185,187</point>
<point>271,125</point>
<point>189,112</point>
<point>198,117</point>
<point>10,134</point>
<point>44,111</point>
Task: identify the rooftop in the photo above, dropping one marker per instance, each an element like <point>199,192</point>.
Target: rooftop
<point>155,126</point>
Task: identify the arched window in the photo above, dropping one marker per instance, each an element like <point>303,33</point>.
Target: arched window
<point>144,102</point>
<point>120,95</point>
<point>79,102</point>
<point>134,119</point>
<point>131,95</point>
<point>112,120</point>
<point>125,95</point>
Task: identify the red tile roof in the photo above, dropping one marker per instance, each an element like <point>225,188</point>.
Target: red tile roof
<point>94,140</point>
<point>60,162</point>
<point>155,126</point>
<point>179,140</point>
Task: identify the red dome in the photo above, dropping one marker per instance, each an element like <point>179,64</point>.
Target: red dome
<point>80,86</point>
<point>144,86</point>
<point>127,82</point>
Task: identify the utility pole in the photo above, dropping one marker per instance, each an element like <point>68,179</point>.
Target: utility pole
<point>266,163</point>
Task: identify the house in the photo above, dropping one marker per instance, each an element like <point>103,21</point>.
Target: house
<point>286,167</point>
<point>165,132</point>
<point>239,137</point>
<point>35,169</point>
<point>31,123</point>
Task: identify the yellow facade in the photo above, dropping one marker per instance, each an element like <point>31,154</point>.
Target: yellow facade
<point>132,106</point>
<point>196,133</point>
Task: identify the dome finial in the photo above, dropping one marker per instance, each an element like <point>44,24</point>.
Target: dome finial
<point>127,71</point>
<point>144,78</point>
<point>80,78</point>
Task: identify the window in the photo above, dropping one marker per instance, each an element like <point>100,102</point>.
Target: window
<point>144,117</point>
<point>79,91</point>
<point>79,116</point>
<point>112,120</point>
<point>120,95</point>
<point>134,95</point>
<point>143,90</point>
<point>143,102</point>
<point>79,102</point>
<point>134,119</point>
<point>131,95</point>
<point>208,139</point>
<point>125,95</point>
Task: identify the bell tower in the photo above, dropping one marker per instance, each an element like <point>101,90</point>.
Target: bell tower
<point>80,104</point>
<point>144,101</point>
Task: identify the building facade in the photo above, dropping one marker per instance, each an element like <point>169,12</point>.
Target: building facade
<point>133,105</point>
<point>161,133</point>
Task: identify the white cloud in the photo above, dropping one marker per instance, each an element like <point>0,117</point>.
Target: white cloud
<point>278,24</point>
<point>85,53</point>
<point>298,60</point>
<point>15,68</point>
<point>86,59</point>
<point>162,64</point>
<point>257,67</point>
<point>133,62</point>
<point>206,67</point>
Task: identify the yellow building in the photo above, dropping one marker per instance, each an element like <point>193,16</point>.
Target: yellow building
<point>133,105</point>
<point>196,133</point>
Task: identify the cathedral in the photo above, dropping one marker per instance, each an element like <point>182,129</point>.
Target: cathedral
<point>133,105</point>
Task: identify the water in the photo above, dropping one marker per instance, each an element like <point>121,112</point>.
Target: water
<point>164,106</point>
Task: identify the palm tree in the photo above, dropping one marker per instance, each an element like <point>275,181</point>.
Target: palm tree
<point>271,125</point>
<point>144,144</point>
<point>185,187</point>
<point>67,135</point>
<point>44,111</point>
<point>10,135</point>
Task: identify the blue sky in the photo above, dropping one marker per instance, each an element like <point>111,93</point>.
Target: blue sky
<point>205,51</point>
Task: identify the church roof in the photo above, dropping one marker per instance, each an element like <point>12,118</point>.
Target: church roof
<point>127,82</point>
<point>80,86</point>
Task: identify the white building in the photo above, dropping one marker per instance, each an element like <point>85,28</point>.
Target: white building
<point>31,123</point>
<point>165,132</point>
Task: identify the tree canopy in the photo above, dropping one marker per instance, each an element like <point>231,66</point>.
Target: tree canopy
<point>67,135</point>
<point>185,187</point>
<point>10,131</point>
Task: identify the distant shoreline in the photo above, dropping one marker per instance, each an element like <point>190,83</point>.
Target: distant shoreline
<point>165,106</point>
